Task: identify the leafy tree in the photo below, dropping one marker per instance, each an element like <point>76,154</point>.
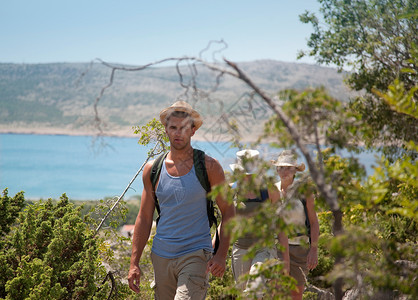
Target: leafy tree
<point>9,210</point>
<point>376,39</point>
<point>377,248</point>
<point>49,253</point>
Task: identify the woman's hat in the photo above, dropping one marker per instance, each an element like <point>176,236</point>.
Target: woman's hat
<point>246,161</point>
<point>288,159</point>
<point>184,107</point>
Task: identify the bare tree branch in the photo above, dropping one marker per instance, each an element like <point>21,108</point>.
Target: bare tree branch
<point>126,189</point>
<point>326,190</point>
<point>190,60</point>
<point>113,284</point>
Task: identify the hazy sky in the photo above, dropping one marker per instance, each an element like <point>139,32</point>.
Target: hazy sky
<point>138,32</point>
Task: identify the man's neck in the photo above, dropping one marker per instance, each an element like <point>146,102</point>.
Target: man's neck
<point>181,155</point>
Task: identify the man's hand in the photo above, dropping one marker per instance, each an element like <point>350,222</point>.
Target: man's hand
<point>134,278</point>
<point>216,266</point>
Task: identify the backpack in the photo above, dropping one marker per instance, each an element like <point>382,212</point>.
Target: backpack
<point>307,223</point>
<point>264,195</point>
<point>202,176</point>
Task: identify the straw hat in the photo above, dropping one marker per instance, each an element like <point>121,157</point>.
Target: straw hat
<point>247,157</point>
<point>288,159</point>
<point>181,106</point>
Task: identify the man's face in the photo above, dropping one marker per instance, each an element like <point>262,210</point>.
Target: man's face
<point>179,131</point>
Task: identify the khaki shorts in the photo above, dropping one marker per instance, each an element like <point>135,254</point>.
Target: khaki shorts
<point>181,278</point>
<point>241,266</point>
<point>298,263</point>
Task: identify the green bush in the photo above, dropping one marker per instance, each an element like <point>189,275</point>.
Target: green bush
<point>48,252</point>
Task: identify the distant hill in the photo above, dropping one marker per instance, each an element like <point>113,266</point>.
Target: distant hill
<point>59,97</point>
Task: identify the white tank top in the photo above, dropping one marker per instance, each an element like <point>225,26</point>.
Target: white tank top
<point>293,212</point>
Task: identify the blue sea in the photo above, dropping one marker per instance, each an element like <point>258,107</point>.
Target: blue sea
<point>85,167</point>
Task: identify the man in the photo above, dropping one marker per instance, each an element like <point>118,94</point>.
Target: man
<point>181,253</point>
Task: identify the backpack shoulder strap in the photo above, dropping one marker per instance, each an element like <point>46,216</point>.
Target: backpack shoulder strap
<point>202,176</point>
<point>307,223</point>
<point>264,193</point>
<point>155,174</point>
<point>200,168</point>
<point>156,169</point>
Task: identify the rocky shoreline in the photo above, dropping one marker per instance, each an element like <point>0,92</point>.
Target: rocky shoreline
<point>125,132</point>
<point>65,131</point>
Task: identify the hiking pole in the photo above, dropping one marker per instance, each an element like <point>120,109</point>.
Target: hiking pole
<point>124,192</point>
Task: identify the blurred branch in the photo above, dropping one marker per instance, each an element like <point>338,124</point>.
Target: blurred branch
<point>326,190</point>
<point>126,189</point>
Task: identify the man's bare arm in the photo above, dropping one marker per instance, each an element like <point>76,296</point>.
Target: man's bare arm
<point>217,177</point>
<point>142,229</point>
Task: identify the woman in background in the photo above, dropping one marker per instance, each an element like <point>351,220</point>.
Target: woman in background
<point>303,248</point>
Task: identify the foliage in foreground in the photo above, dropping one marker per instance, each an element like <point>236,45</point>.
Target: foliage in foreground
<point>376,39</point>
<point>47,251</point>
<point>378,247</point>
